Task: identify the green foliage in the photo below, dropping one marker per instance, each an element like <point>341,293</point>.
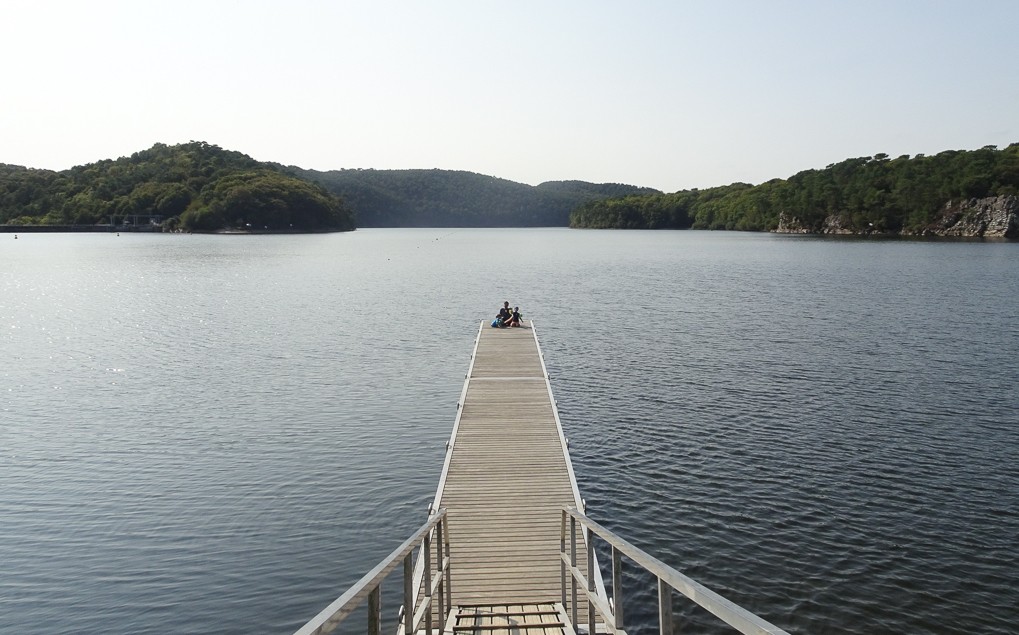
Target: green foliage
<point>194,186</point>
<point>869,194</point>
<point>266,200</point>
<point>446,198</point>
<point>201,187</point>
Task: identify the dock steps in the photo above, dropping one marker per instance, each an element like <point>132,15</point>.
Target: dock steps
<point>508,619</point>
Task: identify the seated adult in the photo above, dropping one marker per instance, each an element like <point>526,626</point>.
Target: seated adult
<point>504,314</point>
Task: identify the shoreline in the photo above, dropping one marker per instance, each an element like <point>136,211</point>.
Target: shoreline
<point>108,229</point>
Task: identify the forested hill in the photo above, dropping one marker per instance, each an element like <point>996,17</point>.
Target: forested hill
<point>448,198</point>
<point>193,186</point>
<point>918,195</point>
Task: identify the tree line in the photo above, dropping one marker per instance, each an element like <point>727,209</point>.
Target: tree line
<point>193,186</point>
<point>201,187</point>
<point>870,194</point>
<point>452,198</point>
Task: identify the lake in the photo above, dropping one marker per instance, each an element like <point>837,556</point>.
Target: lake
<point>221,433</point>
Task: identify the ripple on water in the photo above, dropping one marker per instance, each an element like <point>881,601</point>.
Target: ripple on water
<point>224,434</point>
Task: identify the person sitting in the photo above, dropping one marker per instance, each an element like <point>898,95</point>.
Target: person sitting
<point>514,319</point>
<point>504,314</point>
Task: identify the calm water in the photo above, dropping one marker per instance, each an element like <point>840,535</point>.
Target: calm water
<point>219,433</point>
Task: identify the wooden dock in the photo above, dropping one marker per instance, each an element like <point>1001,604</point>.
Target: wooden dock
<point>491,558</point>
<point>506,477</point>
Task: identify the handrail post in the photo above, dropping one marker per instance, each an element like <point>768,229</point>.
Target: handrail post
<point>449,580</point>
<point>408,594</point>
<point>562,557</point>
<point>573,565</point>
<point>590,583</point>
<point>664,608</point>
<point>375,611</point>
<point>440,562</point>
<point>426,549</point>
<point>617,589</point>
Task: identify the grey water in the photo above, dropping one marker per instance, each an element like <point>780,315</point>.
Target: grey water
<point>221,433</point>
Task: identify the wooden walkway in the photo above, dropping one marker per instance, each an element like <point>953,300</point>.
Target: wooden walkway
<point>505,481</point>
<point>507,477</point>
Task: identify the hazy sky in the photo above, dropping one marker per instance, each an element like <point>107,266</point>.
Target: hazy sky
<point>665,94</point>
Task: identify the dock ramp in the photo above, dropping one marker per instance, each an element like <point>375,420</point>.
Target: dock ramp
<point>504,550</point>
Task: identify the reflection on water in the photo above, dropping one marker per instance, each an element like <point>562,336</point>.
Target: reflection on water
<point>205,433</point>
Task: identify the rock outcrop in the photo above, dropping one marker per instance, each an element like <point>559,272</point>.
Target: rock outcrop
<point>992,217</point>
<point>833,224</point>
<point>791,225</point>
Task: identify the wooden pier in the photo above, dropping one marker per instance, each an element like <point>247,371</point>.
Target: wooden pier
<point>505,549</point>
<point>506,478</point>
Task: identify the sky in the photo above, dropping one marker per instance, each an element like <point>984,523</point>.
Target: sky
<point>667,94</point>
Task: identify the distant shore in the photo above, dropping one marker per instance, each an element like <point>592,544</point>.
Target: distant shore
<point>108,229</point>
<point>33,229</point>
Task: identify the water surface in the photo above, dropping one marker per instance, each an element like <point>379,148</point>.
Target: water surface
<point>219,433</point>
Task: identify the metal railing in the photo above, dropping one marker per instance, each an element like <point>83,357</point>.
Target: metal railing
<point>668,578</point>
<point>435,531</point>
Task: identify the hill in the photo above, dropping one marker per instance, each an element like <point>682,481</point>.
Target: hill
<point>194,186</point>
<point>956,192</point>
<point>449,198</point>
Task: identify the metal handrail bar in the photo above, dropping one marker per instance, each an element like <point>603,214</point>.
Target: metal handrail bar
<point>668,580</point>
<point>370,585</point>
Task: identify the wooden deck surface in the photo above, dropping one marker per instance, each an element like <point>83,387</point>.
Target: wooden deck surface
<point>507,478</point>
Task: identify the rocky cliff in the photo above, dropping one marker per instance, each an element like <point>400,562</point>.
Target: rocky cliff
<point>833,224</point>
<point>992,217</point>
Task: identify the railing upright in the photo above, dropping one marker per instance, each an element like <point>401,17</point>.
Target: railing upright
<point>664,608</point>
<point>562,560</point>
<point>427,550</point>
<point>444,534</point>
<point>590,587</point>
<point>408,592</point>
<point>617,589</point>
<point>573,567</point>
<point>375,611</point>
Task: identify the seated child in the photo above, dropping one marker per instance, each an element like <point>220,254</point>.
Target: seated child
<point>514,319</point>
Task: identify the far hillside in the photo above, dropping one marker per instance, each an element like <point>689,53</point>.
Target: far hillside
<point>448,198</point>
<point>193,186</point>
<point>952,193</point>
